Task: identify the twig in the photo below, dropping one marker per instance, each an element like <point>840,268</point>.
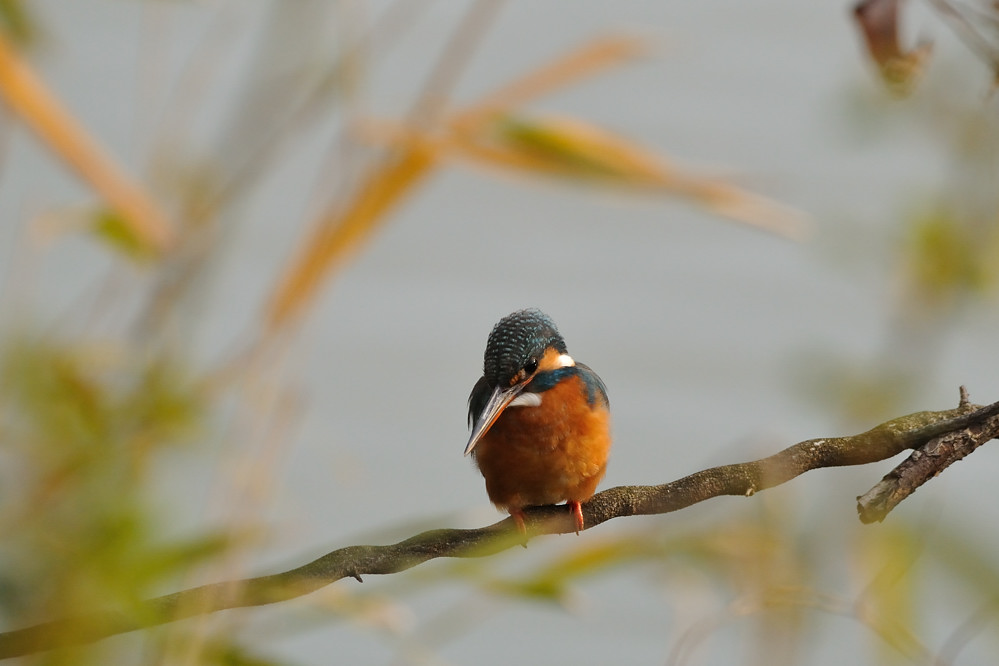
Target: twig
<point>885,441</point>
<point>925,462</point>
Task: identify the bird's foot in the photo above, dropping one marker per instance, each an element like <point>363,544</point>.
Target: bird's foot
<point>518,519</point>
<point>577,513</point>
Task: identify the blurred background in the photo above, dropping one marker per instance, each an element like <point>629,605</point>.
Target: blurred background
<point>251,251</point>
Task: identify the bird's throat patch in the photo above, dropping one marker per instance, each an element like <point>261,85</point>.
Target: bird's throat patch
<point>526,400</point>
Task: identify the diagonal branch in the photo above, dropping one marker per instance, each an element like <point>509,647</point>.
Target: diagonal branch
<point>923,464</point>
<point>915,431</point>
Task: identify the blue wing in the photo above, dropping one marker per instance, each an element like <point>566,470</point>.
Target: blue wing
<point>595,387</point>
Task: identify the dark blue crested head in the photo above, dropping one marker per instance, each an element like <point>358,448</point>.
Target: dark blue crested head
<point>517,341</point>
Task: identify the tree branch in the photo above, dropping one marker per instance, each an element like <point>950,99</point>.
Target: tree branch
<point>926,432</point>
<point>926,462</point>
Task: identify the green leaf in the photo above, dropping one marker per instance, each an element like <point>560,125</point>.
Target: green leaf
<point>111,228</point>
<point>17,22</point>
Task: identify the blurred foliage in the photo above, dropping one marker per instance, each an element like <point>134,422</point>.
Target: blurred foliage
<point>40,110</point>
<point>111,228</point>
<point>573,148</point>
<point>86,418</point>
<point>900,68</point>
<point>493,132</point>
<point>81,427</point>
<point>768,578</point>
<point>889,603</point>
<point>880,22</point>
<point>17,22</point>
<point>972,565</point>
<point>587,155</point>
<point>944,256</point>
<point>945,259</point>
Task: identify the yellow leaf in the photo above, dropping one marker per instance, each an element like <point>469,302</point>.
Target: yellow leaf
<point>113,229</point>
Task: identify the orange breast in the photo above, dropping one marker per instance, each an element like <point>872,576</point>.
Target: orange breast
<point>546,454</point>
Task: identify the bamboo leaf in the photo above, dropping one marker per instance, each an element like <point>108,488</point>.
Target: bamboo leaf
<point>44,114</point>
<point>110,227</point>
<point>573,149</point>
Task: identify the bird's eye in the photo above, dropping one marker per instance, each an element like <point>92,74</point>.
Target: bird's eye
<point>531,366</point>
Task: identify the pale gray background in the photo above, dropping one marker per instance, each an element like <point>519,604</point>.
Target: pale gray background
<point>704,331</point>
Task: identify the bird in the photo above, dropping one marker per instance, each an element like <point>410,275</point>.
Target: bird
<point>540,421</point>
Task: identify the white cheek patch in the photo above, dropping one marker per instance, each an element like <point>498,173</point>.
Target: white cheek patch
<point>526,400</point>
<point>565,361</point>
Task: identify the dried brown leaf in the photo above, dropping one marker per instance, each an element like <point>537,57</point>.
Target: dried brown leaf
<point>900,68</point>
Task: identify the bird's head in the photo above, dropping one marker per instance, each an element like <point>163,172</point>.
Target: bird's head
<point>520,346</point>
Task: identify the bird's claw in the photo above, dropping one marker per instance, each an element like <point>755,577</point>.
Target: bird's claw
<point>577,513</point>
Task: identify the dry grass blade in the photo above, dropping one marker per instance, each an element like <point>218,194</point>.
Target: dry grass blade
<point>574,149</point>
<point>40,110</point>
<point>340,231</point>
<point>485,133</point>
<point>584,61</point>
<point>342,228</point>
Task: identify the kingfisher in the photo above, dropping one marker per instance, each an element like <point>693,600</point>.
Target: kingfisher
<point>540,421</point>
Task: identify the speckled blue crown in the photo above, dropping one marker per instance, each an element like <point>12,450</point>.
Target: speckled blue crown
<point>516,338</point>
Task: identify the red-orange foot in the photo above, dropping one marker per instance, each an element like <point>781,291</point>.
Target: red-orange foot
<point>577,512</point>
<point>518,518</point>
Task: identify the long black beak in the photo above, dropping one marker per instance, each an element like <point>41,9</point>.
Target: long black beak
<point>498,401</point>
